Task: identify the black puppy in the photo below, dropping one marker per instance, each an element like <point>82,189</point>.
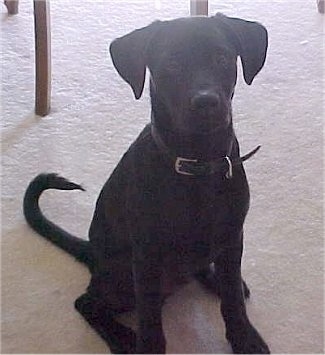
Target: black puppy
<point>176,203</point>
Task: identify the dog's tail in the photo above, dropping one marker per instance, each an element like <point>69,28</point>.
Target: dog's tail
<point>77,247</point>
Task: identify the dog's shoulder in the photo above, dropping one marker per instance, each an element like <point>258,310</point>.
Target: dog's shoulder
<point>138,165</point>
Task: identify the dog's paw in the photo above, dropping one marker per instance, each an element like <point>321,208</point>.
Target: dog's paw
<point>124,343</point>
<point>119,338</point>
<point>151,343</point>
<point>247,341</point>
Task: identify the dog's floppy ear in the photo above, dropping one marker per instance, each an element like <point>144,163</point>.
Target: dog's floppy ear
<point>251,41</point>
<point>129,56</point>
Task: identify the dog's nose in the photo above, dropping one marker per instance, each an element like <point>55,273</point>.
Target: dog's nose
<point>205,100</point>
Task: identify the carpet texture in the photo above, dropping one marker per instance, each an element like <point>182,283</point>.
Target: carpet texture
<point>93,120</point>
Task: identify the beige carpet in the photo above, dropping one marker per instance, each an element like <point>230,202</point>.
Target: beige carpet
<point>93,120</point>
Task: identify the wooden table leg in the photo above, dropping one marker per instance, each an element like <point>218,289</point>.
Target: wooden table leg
<point>321,6</point>
<point>42,57</point>
<point>12,6</point>
<point>199,7</point>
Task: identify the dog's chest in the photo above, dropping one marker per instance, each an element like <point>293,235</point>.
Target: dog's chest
<point>193,208</point>
<point>195,224</point>
<point>192,222</point>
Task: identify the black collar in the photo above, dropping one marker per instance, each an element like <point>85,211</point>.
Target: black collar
<point>196,167</point>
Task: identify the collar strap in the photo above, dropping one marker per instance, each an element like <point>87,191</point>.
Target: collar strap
<point>196,167</point>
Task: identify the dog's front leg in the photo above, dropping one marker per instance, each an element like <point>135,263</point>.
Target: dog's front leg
<point>147,279</point>
<point>242,336</point>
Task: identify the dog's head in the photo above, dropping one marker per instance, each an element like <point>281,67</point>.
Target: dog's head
<point>193,67</point>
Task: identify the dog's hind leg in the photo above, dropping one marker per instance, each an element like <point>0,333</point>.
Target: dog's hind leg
<point>110,293</point>
<point>210,280</point>
<point>119,338</point>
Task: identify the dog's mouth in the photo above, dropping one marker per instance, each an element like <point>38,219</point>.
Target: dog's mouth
<point>201,128</point>
<point>206,119</point>
<point>214,124</point>
<point>207,122</point>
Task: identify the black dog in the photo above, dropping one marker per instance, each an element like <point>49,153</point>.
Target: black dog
<point>176,203</point>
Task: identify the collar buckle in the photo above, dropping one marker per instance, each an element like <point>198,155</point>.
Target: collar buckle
<point>178,165</point>
<point>229,172</point>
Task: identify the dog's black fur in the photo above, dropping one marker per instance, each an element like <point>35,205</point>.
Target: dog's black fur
<point>154,226</point>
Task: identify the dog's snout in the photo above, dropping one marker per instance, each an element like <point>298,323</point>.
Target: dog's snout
<point>205,100</point>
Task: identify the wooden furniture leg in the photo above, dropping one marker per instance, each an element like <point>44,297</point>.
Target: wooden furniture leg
<point>42,57</point>
<point>12,6</point>
<point>199,7</point>
<point>321,6</point>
